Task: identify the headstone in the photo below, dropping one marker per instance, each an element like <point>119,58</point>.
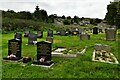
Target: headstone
<point>91,30</point>
<point>110,34</point>
<point>87,29</point>
<point>75,31</point>
<point>49,39</point>
<point>84,36</point>
<point>40,34</point>
<point>99,47</point>
<point>80,30</point>
<point>95,30</point>
<point>67,32</point>
<point>50,33</point>
<point>44,54</point>
<point>100,30</point>
<point>63,33</point>
<point>18,36</point>
<point>57,32</point>
<point>14,50</point>
<point>26,34</point>
<point>32,39</point>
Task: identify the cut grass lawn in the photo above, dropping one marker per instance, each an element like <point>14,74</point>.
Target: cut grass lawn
<point>80,67</point>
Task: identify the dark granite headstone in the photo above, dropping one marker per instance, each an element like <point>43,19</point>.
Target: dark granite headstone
<point>26,34</point>
<point>110,34</point>
<point>57,32</point>
<point>32,39</point>
<point>18,36</point>
<point>100,30</point>
<point>14,48</point>
<point>67,32</point>
<point>87,29</point>
<point>40,34</point>
<point>44,54</point>
<point>50,33</point>
<point>91,30</point>
<point>84,36</point>
<point>49,39</point>
<point>75,31</point>
<point>63,33</point>
<point>95,30</point>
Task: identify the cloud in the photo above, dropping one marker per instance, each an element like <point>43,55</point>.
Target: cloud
<point>81,8</point>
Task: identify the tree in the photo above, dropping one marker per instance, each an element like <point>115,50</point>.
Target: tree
<point>76,19</point>
<point>63,17</point>
<point>66,22</point>
<point>113,14</point>
<point>40,15</point>
<point>69,17</point>
<point>24,15</point>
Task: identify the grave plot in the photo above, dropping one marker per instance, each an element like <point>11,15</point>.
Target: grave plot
<point>50,33</point>
<point>95,30</point>
<point>32,39</point>
<point>39,34</point>
<point>49,39</point>
<point>26,34</point>
<point>44,58</point>
<point>102,53</point>
<point>18,36</point>
<point>68,52</point>
<point>74,31</point>
<point>110,34</point>
<point>84,36</point>
<point>14,50</point>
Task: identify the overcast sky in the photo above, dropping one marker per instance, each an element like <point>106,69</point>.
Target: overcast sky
<point>81,8</point>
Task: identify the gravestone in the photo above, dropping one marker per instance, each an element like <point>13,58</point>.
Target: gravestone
<point>84,36</point>
<point>100,30</point>
<point>44,54</point>
<point>26,34</point>
<point>80,30</point>
<point>32,39</point>
<point>91,30</point>
<point>49,39</point>
<point>14,50</point>
<point>50,33</point>
<point>57,32</point>
<point>87,29</point>
<point>18,36</point>
<point>110,34</point>
<point>40,34</point>
<point>67,32</point>
<point>75,31</point>
<point>99,47</point>
<point>95,30</point>
<point>63,33</point>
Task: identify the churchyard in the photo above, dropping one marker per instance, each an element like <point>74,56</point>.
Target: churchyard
<point>77,60</point>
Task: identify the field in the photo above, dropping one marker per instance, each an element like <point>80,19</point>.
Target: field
<point>80,67</point>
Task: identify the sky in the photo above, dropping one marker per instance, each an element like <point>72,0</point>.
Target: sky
<point>80,8</point>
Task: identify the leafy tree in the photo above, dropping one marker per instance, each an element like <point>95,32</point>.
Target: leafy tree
<point>69,17</point>
<point>76,19</point>
<point>113,14</point>
<point>63,17</point>
<point>40,15</point>
<point>24,15</point>
<point>66,22</point>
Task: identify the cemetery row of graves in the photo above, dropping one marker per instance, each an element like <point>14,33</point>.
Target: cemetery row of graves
<point>46,49</point>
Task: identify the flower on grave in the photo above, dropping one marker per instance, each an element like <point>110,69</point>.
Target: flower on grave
<point>42,59</point>
<point>11,56</point>
<point>35,42</point>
